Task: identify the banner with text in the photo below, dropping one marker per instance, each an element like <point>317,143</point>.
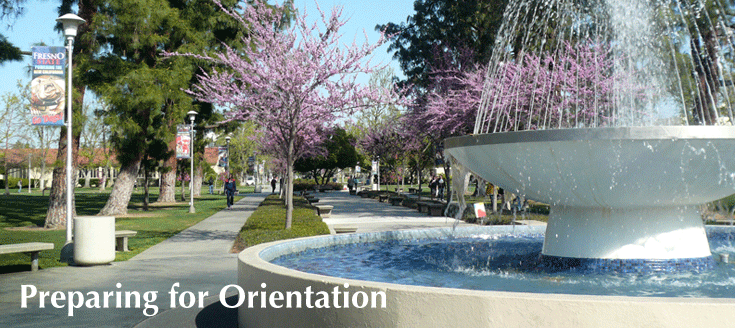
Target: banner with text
<point>48,96</point>
<point>222,156</point>
<point>183,142</point>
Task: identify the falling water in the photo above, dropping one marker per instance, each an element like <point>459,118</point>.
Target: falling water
<point>576,64</point>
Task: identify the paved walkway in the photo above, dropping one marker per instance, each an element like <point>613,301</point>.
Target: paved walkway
<point>198,259</point>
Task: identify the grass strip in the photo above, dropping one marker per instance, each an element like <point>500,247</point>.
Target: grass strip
<point>267,223</point>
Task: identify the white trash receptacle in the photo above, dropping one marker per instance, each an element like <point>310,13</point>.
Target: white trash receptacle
<point>94,240</point>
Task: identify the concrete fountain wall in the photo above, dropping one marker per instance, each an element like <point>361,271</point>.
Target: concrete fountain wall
<point>416,306</point>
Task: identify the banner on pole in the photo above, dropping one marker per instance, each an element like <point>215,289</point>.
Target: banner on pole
<point>223,157</point>
<point>48,96</point>
<point>183,142</point>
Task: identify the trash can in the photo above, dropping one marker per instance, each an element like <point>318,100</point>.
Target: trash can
<point>94,240</point>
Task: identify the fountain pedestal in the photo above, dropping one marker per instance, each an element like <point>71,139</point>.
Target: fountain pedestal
<point>627,240</point>
<point>617,195</point>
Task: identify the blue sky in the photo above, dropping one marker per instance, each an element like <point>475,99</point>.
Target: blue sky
<point>37,25</point>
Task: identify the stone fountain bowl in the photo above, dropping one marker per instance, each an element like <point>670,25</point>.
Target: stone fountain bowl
<point>615,193</point>
<point>419,306</point>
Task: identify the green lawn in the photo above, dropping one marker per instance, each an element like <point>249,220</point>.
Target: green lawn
<point>19,210</point>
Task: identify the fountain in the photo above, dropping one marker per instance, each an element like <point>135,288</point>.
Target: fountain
<point>583,124</point>
<point>616,113</point>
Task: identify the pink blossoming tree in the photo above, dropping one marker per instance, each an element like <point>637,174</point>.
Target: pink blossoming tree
<point>291,79</point>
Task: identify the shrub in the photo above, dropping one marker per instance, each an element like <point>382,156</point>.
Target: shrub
<point>303,184</point>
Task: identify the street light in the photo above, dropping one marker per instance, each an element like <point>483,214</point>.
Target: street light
<point>70,22</point>
<point>192,114</point>
<point>227,165</point>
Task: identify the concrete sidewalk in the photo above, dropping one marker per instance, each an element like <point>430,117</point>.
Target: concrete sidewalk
<point>369,215</point>
<point>198,259</point>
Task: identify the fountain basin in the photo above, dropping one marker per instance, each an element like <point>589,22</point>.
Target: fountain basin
<point>412,306</point>
<point>615,193</point>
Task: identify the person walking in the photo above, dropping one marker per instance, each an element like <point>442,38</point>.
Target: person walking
<point>230,192</point>
<point>211,185</point>
<point>351,184</point>
<point>433,186</point>
<point>273,185</point>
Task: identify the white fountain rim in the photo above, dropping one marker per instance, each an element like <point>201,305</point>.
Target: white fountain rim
<point>607,133</point>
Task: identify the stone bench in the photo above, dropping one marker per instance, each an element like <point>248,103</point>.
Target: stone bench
<point>345,229</point>
<point>413,190</point>
<point>312,199</point>
<point>382,198</point>
<point>324,211</point>
<point>422,207</point>
<point>435,209</point>
<point>395,201</point>
<point>121,239</point>
<point>32,248</point>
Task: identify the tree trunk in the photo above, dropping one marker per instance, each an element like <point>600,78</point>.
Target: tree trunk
<point>42,181</point>
<point>7,176</point>
<point>183,190</point>
<point>87,177</point>
<point>289,187</point>
<point>103,180</point>
<point>117,203</point>
<point>167,189</point>
<point>146,190</point>
<point>56,215</point>
<point>198,178</point>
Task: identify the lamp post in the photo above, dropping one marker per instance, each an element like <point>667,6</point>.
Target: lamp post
<point>227,165</point>
<point>192,114</point>
<point>70,23</point>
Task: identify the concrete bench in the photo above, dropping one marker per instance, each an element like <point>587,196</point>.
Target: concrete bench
<point>324,211</point>
<point>422,207</point>
<point>395,201</point>
<point>32,248</point>
<point>435,209</point>
<point>345,229</point>
<point>312,199</point>
<point>382,198</point>
<point>121,239</point>
<point>413,190</point>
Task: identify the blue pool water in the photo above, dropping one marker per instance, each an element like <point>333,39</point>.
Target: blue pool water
<point>506,263</point>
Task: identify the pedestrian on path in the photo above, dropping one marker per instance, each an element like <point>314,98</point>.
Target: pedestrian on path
<point>273,185</point>
<point>20,186</point>
<point>230,192</point>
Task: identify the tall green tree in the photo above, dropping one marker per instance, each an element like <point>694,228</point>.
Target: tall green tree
<point>143,91</point>
<point>339,153</point>
<point>9,11</point>
<point>448,26</point>
<point>124,67</point>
